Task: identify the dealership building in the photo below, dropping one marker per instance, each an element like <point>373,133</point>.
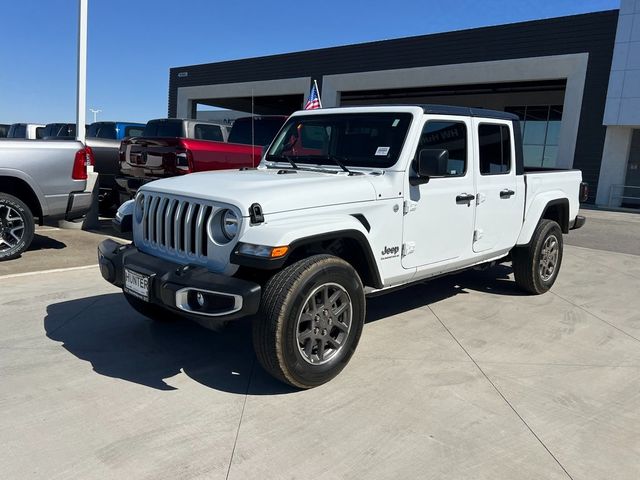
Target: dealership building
<point>574,81</point>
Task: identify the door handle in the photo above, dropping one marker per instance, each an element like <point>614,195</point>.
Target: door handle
<point>506,193</point>
<point>464,198</point>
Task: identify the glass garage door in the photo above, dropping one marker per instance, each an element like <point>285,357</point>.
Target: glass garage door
<point>540,125</point>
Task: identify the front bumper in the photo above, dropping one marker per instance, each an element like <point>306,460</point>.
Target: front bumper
<point>174,286</point>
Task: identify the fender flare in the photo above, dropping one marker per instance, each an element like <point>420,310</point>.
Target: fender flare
<point>537,210</point>
<point>324,229</point>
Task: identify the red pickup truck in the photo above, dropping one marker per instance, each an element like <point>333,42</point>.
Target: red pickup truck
<point>170,147</point>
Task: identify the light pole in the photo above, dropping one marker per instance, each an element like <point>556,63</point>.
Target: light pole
<point>81,100</point>
<point>95,114</point>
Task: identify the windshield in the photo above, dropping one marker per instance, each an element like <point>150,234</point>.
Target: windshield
<point>353,139</point>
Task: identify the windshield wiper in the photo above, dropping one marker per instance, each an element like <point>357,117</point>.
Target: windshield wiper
<point>282,157</point>
<point>338,161</point>
<point>335,159</point>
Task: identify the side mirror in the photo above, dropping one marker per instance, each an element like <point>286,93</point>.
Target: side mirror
<point>432,162</point>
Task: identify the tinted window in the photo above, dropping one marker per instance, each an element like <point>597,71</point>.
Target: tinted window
<point>39,132</point>
<point>495,149</point>
<point>164,128</point>
<point>264,129</point>
<point>60,130</point>
<point>451,136</point>
<point>92,131</point>
<point>4,130</point>
<point>107,131</point>
<point>17,130</point>
<point>53,130</point>
<point>208,132</point>
<point>133,131</point>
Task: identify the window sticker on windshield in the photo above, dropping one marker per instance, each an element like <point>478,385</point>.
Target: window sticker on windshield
<point>382,151</point>
<point>395,122</point>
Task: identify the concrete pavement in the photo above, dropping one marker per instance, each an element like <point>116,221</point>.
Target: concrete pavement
<point>463,377</point>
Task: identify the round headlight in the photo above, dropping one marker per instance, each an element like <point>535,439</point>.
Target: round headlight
<point>230,224</point>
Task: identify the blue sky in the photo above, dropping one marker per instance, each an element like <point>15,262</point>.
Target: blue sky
<point>133,43</point>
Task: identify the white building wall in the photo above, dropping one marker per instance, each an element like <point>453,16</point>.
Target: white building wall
<point>622,110</point>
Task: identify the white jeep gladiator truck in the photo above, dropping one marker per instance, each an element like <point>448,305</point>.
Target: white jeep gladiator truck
<point>346,202</point>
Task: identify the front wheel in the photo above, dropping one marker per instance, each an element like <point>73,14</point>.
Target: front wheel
<point>312,318</point>
<point>17,227</point>
<point>536,265</point>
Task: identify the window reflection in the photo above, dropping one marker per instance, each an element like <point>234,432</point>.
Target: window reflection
<point>540,127</point>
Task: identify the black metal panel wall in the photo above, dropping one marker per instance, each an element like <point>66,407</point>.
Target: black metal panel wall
<point>593,33</point>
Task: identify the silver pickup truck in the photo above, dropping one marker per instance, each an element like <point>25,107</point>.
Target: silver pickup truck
<point>40,179</point>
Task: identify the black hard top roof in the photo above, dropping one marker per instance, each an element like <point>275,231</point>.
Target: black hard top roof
<point>467,111</point>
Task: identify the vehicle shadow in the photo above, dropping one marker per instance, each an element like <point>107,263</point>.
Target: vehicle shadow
<point>42,242</point>
<point>120,343</point>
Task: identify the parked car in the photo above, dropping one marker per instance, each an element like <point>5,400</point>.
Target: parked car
<point>39,180</point>
<point>4,130</point>
<point>114,130</point>
<point>346,202</point>
<point>170,147</point>
<point>30,131</point>
<point>104,139</point>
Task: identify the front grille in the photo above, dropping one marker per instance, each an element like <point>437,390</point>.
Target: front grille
<point>179,226</point>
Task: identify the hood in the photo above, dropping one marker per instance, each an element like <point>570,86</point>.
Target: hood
<point>275,192</point>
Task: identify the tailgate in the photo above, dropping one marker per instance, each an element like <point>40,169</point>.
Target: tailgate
<point>150,157</point>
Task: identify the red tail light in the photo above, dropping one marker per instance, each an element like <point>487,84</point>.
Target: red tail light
<point>84,158</point>
<point>184,162</point>
<point>584,192</point>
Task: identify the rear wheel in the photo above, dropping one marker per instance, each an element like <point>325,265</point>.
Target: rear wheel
<point>149,310</point>
<point>313,315</point>
<point>536,265</point>
<point>17,227</point>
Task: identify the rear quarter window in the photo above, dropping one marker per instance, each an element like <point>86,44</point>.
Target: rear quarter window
<point>133,131</point>
<point>203,131</point>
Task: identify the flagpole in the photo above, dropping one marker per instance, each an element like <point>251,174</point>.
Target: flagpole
<point>315,83</point>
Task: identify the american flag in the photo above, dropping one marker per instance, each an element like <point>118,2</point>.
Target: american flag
<point>314,99</point>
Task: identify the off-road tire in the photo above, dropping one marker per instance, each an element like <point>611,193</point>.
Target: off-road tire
<point>527,258</point>
<point>14,207</point>
<point>150,310</point>
<point>276,330</point>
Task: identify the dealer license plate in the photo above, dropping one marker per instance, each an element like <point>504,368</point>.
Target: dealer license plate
<point>136,284</point>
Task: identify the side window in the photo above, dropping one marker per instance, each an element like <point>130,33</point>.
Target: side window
<point>107,131</point>
<point>39,132</point>
<point>133,131</point>
<point>451,136</point>
<point>495,149</point>
<point>208,132</point>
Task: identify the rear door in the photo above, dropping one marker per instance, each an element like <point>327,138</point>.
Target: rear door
<point>499,198</point>
<point>438,222</point>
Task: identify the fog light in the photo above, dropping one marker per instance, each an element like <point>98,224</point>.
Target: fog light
<point>200,299</point>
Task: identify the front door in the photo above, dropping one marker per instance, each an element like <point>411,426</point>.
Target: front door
<point>499,195</point>
<point>438,221</point>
